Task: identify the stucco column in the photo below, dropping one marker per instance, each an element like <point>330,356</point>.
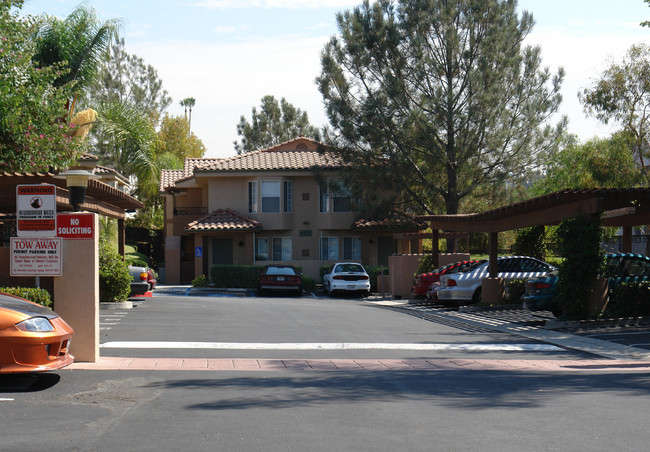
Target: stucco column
<point>493,287</point>
<point>76,294</point>
<point>173,260</point>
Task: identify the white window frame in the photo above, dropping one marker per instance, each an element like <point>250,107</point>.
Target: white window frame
<point>267,183</point>
<point>328,198</point>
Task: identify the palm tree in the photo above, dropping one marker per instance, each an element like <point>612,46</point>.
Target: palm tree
<point>77,44</point>
<point>188,102</point>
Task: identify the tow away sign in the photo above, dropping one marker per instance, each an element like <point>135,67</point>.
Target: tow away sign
<point>36,256</point>
<point>36,210</point>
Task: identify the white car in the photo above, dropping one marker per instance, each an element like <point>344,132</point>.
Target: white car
<point>466,285</point>
<point>347,277</point>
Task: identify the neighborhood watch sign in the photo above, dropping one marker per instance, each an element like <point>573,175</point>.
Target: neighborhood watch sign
<point>36,210</point>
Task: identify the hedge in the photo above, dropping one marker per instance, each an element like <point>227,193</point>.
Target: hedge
<point>40,296</point>
<point>629,300</point>
<point>235,276</point>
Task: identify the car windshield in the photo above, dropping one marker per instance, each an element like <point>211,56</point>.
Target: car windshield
<point>280,271</point>
<point>349,268</point>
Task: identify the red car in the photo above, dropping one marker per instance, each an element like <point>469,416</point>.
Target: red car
<point>33,338</point>
<point>285,278</point>
<point>423,281</point>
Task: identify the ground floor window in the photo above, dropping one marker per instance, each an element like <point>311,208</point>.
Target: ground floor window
<point>262,249</point>
<point>281,248</point>
<point>329,248</point>
<point>352,248</point>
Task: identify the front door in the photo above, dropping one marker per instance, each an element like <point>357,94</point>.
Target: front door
<point>222,251</point>
<point>385,248</point>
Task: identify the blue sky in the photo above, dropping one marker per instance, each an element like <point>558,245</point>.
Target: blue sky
<point>229,53</point>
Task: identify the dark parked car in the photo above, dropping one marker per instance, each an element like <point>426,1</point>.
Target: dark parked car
<point>620,267</point>
<point>423,281</point>
<point>280,278</point>
<point>142,280</point>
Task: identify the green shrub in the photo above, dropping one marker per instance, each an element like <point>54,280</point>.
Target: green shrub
<point>200,281</point>
<point>114,277</point>
<point>308,284</point>
<point>235,276</point>
<point>425,265</point>
<point>531,242</point>
<point>516,288</point>
<point>324,269</point>
<point>629,300</point>
<point>373,272</point>
<point>40,296</point>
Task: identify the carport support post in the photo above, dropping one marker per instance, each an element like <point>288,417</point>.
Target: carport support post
<point>76,294</point>
<point>493,287</point>
<point>627,239</point>
<point>435,251</point>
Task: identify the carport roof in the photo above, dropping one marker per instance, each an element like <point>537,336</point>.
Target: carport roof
<point>617,207</point>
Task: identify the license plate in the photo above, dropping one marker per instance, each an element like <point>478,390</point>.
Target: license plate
<point>352,286</point>
<point>280,278</point>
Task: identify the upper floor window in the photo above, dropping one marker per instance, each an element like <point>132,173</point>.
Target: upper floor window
<point>270,196</point>
<point>335,198</point>
<point>252,197</point>
<point>287,199</point>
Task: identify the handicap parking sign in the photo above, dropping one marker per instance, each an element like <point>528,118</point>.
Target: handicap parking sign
<point>198,251</point>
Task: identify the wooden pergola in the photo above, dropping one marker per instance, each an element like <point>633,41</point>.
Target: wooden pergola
<point>101,198</point>
<point>614,207</point>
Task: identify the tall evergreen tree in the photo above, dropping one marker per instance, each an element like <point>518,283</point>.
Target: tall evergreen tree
<point>438,97</point>
<point>275,123</point>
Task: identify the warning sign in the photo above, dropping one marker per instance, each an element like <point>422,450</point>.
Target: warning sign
<point>36,256</point>
<point>36,210</point>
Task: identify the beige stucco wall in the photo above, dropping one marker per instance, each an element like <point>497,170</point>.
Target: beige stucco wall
<point>76,294</point>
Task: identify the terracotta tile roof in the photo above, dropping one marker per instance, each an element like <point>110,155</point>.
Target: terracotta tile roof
<point>99,170</point>
<point>223,220</point>
<point>168,178</point>
<point>274,160</point>
<point>88,157</point>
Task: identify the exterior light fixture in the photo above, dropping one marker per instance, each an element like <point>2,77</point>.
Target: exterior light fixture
<point>77,182</point>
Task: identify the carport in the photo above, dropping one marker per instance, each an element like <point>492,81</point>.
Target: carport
<point>613,207</point>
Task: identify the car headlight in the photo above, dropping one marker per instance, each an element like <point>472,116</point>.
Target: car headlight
<point>35,325</point>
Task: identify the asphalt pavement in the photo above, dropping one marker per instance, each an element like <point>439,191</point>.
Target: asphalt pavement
<point>233,372</point>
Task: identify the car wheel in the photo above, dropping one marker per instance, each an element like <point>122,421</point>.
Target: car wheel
<point>478,296</point>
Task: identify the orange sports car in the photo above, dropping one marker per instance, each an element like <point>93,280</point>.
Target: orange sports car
<point>33,338</point>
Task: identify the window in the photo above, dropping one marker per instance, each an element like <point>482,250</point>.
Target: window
<point>288,196</point>
<point>329,248</point>
<point>262,249</point>
<point>281,248</point>
<point>270,196</point>
<point>352,248</point>
<point>324,199</point>
<point>336,198</point>
<point>252,197</point>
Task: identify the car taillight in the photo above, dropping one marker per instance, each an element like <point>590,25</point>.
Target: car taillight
<point>451,283</point>
<point>363,277</point>
<point>338,277</point>
<point>143,276</point>
<point>540,285</point>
